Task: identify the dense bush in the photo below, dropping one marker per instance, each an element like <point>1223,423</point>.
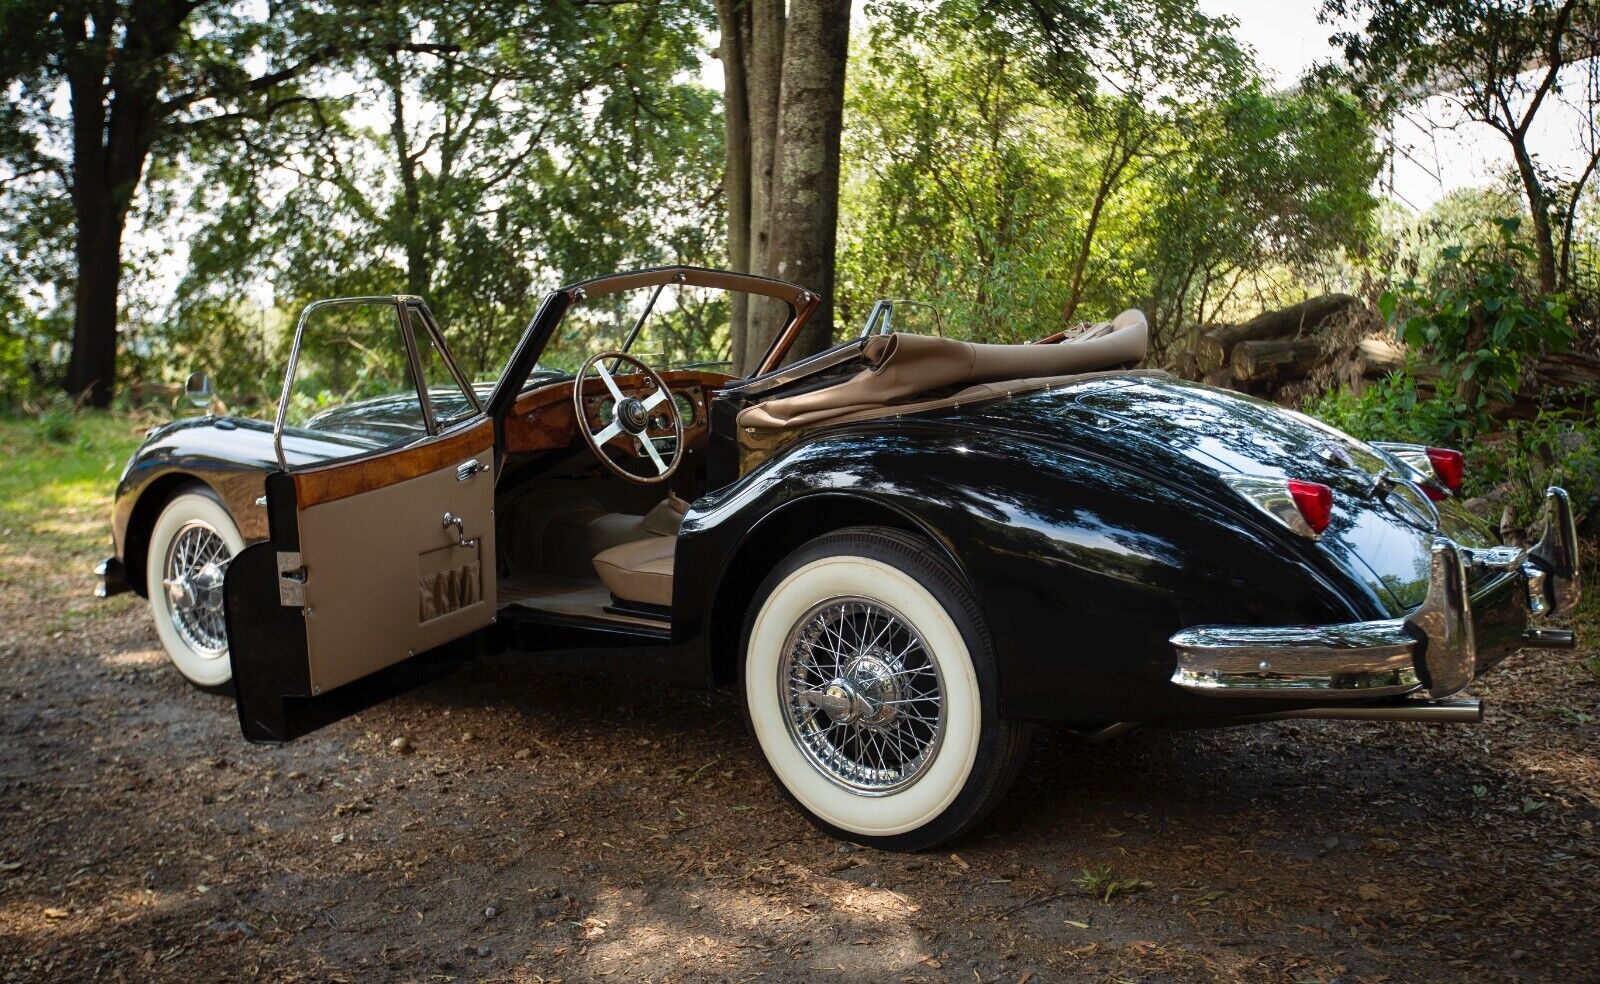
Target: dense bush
<point>1474,328</point>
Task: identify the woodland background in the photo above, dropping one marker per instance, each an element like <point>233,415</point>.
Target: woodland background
<point>179,177</point>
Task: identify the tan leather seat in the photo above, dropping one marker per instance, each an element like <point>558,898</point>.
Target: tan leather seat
<point>640,571</point>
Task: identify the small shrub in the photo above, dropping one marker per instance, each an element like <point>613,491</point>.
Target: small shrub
<point>57,422</point>
<point>1474,321</point>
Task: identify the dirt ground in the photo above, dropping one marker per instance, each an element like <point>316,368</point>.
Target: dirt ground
<point>553,825</point>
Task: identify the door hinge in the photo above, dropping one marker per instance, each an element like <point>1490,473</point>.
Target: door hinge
<point>291,579</point>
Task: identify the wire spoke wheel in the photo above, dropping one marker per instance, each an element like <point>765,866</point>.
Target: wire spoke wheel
<point>192,578</point>
<point>862,695</point>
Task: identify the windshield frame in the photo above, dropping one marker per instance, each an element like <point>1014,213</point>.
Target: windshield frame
<point>802,304</point>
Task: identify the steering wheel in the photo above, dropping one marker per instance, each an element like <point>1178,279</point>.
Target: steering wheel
<point>630,416</point>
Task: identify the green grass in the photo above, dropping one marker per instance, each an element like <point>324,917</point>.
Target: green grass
<point>58,476</point>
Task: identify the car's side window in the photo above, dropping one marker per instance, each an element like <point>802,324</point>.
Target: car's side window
<point>446,397</point>
<point>353,389</point>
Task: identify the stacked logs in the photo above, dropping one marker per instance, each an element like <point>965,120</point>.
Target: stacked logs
<point>1277,349</point>
<point>1337,340</point>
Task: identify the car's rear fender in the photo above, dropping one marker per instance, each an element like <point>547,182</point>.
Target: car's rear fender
<point>1084,567</point>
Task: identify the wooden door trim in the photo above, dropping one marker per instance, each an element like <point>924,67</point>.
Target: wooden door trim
<point>342,479</point>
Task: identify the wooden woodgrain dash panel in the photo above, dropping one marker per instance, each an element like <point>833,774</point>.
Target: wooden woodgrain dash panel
<point>340,480</point>
<point>542,419</point>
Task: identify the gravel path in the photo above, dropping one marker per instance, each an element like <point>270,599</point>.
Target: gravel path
<point>540,824</point>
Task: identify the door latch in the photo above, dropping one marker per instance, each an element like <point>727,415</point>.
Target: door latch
<point>291,579</point>
<point>467,469</point>
<point>451,519</point>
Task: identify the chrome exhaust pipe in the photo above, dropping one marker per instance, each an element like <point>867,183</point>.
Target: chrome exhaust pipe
<point>1550,639</point>
<point>1460,710</point>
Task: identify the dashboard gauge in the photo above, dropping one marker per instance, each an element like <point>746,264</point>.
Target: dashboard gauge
<point>685,408</point>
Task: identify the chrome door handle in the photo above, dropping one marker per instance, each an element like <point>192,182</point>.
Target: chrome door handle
<point>467,469</point>
<point>462,540</point>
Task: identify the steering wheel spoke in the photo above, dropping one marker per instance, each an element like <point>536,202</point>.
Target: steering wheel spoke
<point>655,456</point>
<point>631,417</point>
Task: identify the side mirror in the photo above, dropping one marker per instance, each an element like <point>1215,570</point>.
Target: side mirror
<point>198,390</point>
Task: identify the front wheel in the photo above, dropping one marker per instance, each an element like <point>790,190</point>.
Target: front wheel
<point>190,546</point>
<point>869,683</point>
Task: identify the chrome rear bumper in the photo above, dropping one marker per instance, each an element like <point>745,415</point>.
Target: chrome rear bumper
<point>1431,649</point>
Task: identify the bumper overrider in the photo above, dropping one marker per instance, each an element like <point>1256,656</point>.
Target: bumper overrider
<point>1432,650</point>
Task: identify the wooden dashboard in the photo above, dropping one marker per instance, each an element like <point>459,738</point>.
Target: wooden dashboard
<point>542,419</point>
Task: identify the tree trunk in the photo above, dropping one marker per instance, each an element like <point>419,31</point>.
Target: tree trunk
<point>734,18</point>
<point>1268,360</point>
<point>92,372</point>
<point>1539,209</point>
<point>764,80</point>
<point>114,124</point>
<point>805,187</point>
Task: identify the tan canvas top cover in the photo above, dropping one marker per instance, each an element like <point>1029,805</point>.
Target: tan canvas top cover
<point>903,366</point>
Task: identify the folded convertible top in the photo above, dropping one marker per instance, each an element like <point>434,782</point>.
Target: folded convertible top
<point>902,366</point>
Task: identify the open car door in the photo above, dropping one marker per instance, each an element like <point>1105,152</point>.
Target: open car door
<point>381,551</point>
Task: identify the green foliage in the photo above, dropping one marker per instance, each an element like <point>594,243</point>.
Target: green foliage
<point>1474,321</point>
<point>53,489</point>
<point>1104,884</point>
<point>1472,328</point>
<point>993,172</point>
<point>1514,464</point>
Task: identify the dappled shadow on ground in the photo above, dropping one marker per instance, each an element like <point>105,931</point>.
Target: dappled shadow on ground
<point>564,824</point>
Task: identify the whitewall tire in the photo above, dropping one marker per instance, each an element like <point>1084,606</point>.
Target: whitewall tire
<point>869,684</point>
<point>190,545</point>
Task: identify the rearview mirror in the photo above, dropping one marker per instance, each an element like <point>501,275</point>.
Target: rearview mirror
<point>198,390</point>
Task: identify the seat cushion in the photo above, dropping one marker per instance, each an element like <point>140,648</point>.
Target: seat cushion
<point>640,571</point>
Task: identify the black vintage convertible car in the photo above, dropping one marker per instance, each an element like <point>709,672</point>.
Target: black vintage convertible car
<point>903,551</point>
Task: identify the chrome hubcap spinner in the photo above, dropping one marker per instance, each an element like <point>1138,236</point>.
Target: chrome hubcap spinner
<point>862,696</point>
<point>197,560</point>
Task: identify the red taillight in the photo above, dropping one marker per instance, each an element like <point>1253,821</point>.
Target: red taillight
<point>1315,502</point>
<point>1448,466</point>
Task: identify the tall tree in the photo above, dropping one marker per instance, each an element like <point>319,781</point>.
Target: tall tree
<point>134,73</point>
<point>1501,62</point>
<point>480,149</point>
<point>784,73</point>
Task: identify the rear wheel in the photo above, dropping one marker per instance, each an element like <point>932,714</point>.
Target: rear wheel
<point>869,683</point>
<point>190,546</point>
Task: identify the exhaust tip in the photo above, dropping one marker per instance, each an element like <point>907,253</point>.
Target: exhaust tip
<point>1550,639</point>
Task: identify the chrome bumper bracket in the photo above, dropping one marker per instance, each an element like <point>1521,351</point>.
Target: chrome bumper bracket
<point>1431,648</point>
<point>1556,553</point>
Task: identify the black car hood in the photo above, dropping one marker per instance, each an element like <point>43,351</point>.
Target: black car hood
<point>1188,432</point>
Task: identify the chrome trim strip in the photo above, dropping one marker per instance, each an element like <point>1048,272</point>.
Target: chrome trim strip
<point>756,385</point>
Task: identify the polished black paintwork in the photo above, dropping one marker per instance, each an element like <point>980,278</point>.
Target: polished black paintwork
<point>1090,520</point>
<point>1085,565</point>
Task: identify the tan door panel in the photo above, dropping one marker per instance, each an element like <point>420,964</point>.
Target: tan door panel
<point>385,577</point>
